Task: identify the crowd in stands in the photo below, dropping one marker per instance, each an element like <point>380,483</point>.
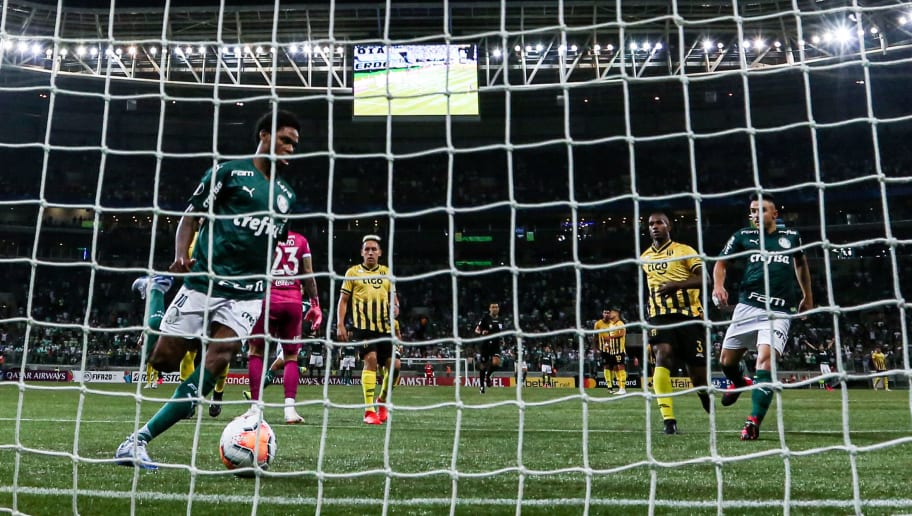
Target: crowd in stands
<point>553,306</point>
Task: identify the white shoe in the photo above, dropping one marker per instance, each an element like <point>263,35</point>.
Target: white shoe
<point>155,385</point>
<point>158,282</point>
<point>253,411</point>
<point>149,386</point>
<point>133,452</point>
<point>293,418</point>
<point>291,415</point>
<point>621,392</point>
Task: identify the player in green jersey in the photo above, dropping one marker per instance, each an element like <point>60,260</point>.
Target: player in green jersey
<point>244,207</point>
<point>761,317</point>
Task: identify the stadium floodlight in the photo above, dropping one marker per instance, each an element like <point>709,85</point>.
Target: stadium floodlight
<point>325,50</point>
<point>63,51</point>
<point>561,49</point>
<point>874,30</point>
<point>202,50</point>
<point>340,50</point>
<point>815,39</point>
<point>842,35</point>
<point>188,50</point>
<point>646,46</point>
<point>237,51</point>
<point>574,48</point>
<point>720,45</point>
<point>131,50</point>
<point>759,44</point>
<point>596,48</point>
<point>119,51</point>
<point>48,53</point>
<point>36,48</point>
<point>22,47</point>
<point>293,48</point>
<point>306,49</point>
<point>634,46</point>
<point>707,45</point>
<point>81,50</point>
<point>903,20</point>
<point>7,44</point>
<point>658,46</point>
<point>517,49</point>
<point>247,49</point>
<point>777,44</point>
<point>539,47</point>
<point>496,53</point>
<point>746,43</point>
<point>94,51</point>
<point>609,47</point>
<point>153,50</point>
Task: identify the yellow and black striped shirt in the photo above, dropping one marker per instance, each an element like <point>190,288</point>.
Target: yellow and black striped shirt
<point>672,262</point>
<point>880,362</point>
<point>612,338</point>
<point>370,296</point>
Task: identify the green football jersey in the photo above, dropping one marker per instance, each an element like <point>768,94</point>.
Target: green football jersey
<point>244,232</point>
<point>783,246</point>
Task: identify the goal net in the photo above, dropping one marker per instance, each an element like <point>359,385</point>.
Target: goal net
<point>508,154</point>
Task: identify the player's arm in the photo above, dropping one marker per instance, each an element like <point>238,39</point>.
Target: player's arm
<point>478,327</point>
<point>803,273</point>
<point>720,271</point>
<point>395,299</point>
<point>186,229</point>
<point>342,310</point>
<point>314,314</point>
<point>694,281</point>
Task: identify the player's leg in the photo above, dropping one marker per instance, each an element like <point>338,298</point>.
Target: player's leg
<point>738,338</point>
<point>482,374</point>
<point>188,364</point>
<point>152,289</point>
<point>620,371</point>
<point>694,355</point>
<point>390,379</point>
<point>661,382</point>
<point>608,365</point>
<point>769,347</point>
<point>255,352</point>
<point>369,383</point>
<point>493,366</point>
<point>218,393</point>
<point>824,373</point>
<point>290,378</point>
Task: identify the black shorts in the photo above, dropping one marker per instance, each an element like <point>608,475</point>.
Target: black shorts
<point>488,351</point>
<point>686,341</point>
<point>612,360</point>
<point>383,348</point>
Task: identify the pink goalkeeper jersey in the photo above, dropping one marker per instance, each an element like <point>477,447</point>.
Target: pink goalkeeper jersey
<point>286,264</point>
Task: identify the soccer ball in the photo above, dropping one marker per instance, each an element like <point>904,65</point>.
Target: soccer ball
<point>247,442</point>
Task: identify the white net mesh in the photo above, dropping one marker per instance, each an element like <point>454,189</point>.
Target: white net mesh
<point>590,116</point>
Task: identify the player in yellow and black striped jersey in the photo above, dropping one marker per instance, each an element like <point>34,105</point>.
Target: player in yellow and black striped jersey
<point>374,305</point>
<point>674,276</point>
<point>612,340</point>
<point>879,361</point>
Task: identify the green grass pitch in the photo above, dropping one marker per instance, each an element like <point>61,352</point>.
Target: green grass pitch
<point>418,91</point>
<point>41,474</point>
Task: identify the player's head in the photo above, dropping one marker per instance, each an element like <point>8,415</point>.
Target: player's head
<point>286,134</point>
<point>494,309</point>
<point>659,227</point>
<point>371,250</point>
<point>770,213</point>
<point>614,313</point>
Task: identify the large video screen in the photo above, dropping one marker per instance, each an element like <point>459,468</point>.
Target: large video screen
<point>412,80</point>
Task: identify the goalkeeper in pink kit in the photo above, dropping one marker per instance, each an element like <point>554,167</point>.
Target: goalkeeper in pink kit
<point>291,261</point>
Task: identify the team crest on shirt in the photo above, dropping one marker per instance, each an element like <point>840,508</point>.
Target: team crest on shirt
<point>282,203</point>
<point>785,243</point>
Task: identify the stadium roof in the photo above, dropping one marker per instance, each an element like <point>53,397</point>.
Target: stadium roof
<point>309,44</point>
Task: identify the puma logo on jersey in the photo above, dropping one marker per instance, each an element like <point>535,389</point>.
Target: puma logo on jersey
<point>248,190</point>
<point>754,241</point>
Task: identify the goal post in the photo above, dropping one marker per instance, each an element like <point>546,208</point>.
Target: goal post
<point>506,153</point>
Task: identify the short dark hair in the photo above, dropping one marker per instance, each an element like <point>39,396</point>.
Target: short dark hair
<point>283,119</point>
<point>766,197</point>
